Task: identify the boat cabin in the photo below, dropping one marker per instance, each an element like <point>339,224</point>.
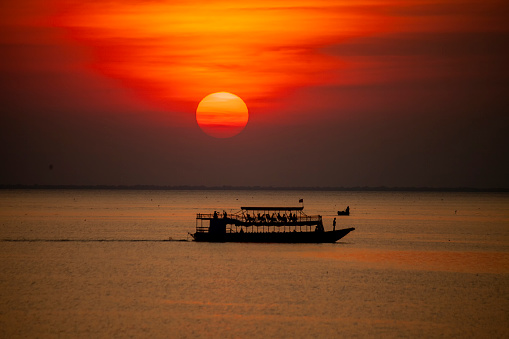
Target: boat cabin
<point>259,220</point>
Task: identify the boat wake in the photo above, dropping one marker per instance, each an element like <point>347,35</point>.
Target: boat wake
<point>94,240</point>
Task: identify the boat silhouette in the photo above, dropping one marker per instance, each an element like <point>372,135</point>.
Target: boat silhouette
<point>345,212</point>
<point>265,224</point>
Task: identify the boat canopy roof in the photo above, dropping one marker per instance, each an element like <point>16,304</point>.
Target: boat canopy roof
<point>300,208</point>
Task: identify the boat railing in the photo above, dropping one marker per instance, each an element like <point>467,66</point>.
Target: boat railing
<point>202,229</point>
<point>242,219</point>
<point>205,216</point>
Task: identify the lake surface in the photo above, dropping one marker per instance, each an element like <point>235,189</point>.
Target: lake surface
<point>98,263</point>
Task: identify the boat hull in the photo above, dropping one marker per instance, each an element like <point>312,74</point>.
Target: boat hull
<point>274,237</point>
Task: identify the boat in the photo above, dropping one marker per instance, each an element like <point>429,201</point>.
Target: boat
<point>265,225</point>
<point>345,212</point>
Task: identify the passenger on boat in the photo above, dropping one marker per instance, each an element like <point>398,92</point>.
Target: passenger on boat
<point>319,227</point>
<point>334,224</point>
<point>273,217</point>
<point>260,218</point>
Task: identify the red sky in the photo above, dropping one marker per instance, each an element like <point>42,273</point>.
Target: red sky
<point>340,93</point>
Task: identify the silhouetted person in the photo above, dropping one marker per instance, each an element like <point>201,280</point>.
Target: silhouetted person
<point>215,214</point>
<point>334,224</point>
<point>347,210</point>
<point>319,227</point>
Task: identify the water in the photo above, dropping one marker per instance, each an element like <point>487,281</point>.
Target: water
<point>88,263</point>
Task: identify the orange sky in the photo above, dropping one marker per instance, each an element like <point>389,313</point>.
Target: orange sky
<point>175,53</point>
<point>178,52</point>
<point>181,52</point>
<point>397,86</point>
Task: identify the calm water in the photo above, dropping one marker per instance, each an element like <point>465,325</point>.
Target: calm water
<point>95,263</point>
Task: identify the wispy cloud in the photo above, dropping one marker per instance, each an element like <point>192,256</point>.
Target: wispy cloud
<point>186,50</point>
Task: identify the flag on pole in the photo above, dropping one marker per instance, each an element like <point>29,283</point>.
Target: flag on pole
<point>301,200</point>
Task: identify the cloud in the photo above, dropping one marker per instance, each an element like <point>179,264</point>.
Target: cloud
<point>184,51</point>
<point>428,44</point>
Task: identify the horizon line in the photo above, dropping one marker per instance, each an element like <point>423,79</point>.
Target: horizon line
<point>260,188</point>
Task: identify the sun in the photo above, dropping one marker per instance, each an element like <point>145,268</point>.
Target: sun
<point>222,115</point>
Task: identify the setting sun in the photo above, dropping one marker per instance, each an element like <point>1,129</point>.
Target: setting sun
<point>222,115</point>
